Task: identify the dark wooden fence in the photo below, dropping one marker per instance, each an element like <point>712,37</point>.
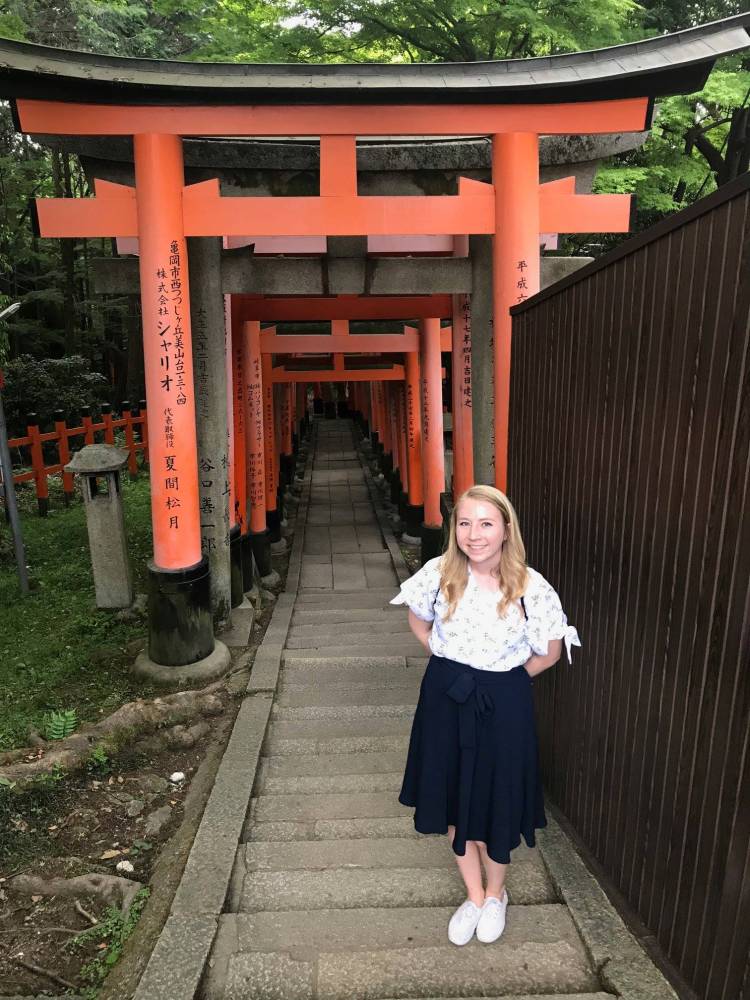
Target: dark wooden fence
<point>630,424</point>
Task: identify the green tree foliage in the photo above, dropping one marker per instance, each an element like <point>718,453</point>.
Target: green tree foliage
<point>44,386</point>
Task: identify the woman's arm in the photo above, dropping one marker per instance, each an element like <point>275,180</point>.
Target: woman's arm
<point>537,664</point>
<point>422,629</point>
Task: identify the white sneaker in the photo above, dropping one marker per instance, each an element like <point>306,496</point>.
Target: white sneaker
<point>491,923</point>
<point>463,923</point>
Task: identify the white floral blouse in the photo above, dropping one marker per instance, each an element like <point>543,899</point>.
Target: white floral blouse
<point>476,635</point>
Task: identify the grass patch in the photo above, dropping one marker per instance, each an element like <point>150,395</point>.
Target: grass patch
<point>58,652</point>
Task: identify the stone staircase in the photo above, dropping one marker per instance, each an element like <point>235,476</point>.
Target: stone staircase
<point>333,894</point>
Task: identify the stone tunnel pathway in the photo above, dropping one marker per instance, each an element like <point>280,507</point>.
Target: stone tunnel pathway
<point>333,894</point>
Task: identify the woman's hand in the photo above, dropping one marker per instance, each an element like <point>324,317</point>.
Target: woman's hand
<point>421,629</point>
<point>537,664</point>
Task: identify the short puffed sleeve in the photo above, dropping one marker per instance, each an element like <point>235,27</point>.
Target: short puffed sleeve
<point>546,618</point>
<point>420,591</point>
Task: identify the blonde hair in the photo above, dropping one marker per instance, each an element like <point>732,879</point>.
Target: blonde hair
<point>511,571</point>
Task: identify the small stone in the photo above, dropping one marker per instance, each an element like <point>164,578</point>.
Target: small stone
<point>177,777</point>
<point>134,808</point>
<point>157,820</point>
<point>125,867</point>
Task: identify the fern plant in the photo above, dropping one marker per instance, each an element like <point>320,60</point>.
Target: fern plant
<point>59,725</point>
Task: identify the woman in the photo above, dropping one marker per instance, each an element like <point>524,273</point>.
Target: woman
<point>491,623</point>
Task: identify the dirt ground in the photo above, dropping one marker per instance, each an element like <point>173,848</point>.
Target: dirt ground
<point>117,810</point>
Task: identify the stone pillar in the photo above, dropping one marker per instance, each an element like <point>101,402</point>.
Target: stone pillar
<point>209,368</point>
<point>181,641</point>
<point>482,376</point>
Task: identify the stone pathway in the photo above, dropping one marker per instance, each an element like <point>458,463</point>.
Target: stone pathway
<point>333,895</point>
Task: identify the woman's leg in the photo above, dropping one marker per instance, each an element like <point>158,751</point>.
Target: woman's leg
<point>471,869</point>
<point>494,871</point>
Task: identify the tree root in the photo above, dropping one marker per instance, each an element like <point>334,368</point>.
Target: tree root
<point>20,767</point>
<point>39,970</point>
<point>111,889</point>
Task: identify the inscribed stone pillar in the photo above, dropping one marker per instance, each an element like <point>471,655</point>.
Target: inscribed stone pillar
<point>212,420</point>
<point>482,378</point>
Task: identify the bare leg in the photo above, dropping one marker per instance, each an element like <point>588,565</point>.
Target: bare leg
<point>471,869</point>
<point>494,871</point>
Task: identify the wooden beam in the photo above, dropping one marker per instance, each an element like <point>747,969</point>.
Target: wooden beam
<point>394,374</point>
<point>68,118</point>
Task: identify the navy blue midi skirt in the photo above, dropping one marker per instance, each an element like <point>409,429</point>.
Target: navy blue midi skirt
<point>473,759</point>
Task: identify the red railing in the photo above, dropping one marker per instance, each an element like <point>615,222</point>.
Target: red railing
<point>132,420</point>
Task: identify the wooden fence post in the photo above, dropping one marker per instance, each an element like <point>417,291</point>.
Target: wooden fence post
<point>37,464</point>
<point>63,450</point>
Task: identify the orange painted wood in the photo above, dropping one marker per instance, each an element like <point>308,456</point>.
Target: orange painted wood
<point>255,441</point>
<point>338,165</point>
<point>63,118</point>
<point>413,402</point>
<point>168,363</point>
<point>240,472</point>
<point>515,263</point>
<point>207,213</point>
<point>393,374</point>
<point>286,418</point>
<point>269,435</point>
<point>463,438</point>
<point>229,359</point>
<point>353,343</point>
<point>403,443</point>
<point>433,453</point>
<point>345,307</point>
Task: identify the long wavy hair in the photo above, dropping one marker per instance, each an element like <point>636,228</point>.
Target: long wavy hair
<point>511,571</point>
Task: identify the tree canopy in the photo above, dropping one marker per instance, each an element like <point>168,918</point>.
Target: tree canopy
<point>698,141</point>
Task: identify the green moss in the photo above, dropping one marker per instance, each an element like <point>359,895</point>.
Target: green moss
<point>57,650</point>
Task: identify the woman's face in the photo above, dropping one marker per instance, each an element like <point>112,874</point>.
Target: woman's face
<point>480,532</point>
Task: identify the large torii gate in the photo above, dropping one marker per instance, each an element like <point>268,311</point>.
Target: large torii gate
<point>158,103</point>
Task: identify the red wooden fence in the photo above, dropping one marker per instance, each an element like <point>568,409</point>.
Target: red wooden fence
<point>132,421</point>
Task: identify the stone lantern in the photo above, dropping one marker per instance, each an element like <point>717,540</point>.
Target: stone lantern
<point>98,466</point>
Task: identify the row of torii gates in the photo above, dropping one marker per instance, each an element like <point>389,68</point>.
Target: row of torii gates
<point>224,391</point>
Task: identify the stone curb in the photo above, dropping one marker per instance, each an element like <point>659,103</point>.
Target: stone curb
<point>175,969</point>
<point>399,564</point>
<point>620,962</point>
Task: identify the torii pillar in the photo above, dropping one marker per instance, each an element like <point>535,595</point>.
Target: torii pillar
<point>433,453</point>
<point>515,263</point>
<point>180,635</point>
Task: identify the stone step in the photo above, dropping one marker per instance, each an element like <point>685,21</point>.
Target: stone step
<point>331,829</point>
<point>307,713</point>
<point>397,637</point>
<point>355,888</point>
<point>342,669</point>
<point>311,784</point>
<point>325,729</point>
<point>371,598</point>
<point>443,970</point>
<point>398,646</point>
<point>335,745</point>
<point>355,631</point>
<point>333,764</point>
<point>345,616</point>
<point>387,852</point>
<point>325,805</point>
<point>403,692</point>
<point>334,930</point>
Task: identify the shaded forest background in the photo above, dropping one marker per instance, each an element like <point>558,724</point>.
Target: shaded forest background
<point>65,348</point>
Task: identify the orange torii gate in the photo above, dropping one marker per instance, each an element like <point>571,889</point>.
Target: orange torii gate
<point>513,102</point>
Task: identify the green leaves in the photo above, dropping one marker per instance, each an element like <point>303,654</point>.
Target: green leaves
<point>59,725</point>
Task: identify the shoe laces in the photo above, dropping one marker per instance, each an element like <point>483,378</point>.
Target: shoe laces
<point>467,911</point>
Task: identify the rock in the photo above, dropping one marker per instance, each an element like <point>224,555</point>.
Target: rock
<point>125,867</point>
<point>153,784</point>
<point>134,808</point>
<point>156,821</point>
<point>135,646</point>
<point>177,777</point>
